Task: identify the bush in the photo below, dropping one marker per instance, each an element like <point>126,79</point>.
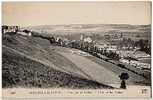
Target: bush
<point>121,65</point>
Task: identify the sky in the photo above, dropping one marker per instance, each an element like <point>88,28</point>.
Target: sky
<point>52,13</point>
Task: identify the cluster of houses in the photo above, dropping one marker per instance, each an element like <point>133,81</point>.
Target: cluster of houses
<point>135,63</point>
<point>134,54</point>
<point>103,45</point>
<point>15,30</point>
<point>113,36</point>
<point>9,29</point>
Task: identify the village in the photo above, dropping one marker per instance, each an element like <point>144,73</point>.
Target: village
<point>126,55</point>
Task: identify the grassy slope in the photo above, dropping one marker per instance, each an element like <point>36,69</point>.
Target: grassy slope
<point>19,71</point>
<point>40,49</point>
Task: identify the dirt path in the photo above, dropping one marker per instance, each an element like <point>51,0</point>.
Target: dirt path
<point>97,72</point>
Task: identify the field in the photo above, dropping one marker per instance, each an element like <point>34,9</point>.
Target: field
<point>34,62</point>
<point>102,71</point>
<point>25,66</point>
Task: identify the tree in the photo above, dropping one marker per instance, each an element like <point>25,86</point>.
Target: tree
<point>4,27</point>
<point>52,40</point>
<point>26,31</point>
<point>124,77</point>
<point>60,42</point>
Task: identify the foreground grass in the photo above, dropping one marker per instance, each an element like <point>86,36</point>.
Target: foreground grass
<point>18,71</point>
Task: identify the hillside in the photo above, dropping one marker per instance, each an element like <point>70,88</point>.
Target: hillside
<point>19,71</point>
<point>57,66</point>
<point>32,62</point>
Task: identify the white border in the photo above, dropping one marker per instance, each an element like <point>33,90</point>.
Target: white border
<point>59,1</point>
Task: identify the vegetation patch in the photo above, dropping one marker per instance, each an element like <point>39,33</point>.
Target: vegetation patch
<point>18,71</point>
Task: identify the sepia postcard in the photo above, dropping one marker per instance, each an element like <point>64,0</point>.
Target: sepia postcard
<point>98,49</point>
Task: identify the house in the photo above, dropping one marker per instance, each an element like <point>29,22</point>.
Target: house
<point>65,41</point>
<point>107,36</point>
<point>58,39</point>
<point>125,61</point>
<point>25,32</point>
<point>140,65</point>
<point>9,29</point>
<point>81,37</point>
<point>136,64</point>
<point>112,48</point>
<point>101,44</point>
<point>140,54</point>
<point>125,53</point>
<point>87,39</point>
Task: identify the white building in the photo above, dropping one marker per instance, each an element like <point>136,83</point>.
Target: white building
<point>88,39</point>
<point>112,48</point>
<point>136,64</point>
<point>102,44</point>
<point>125,53</point>
<point>81,38</point>
<point>125,61</point>
<point>25,34</point>
<point>140,54</point>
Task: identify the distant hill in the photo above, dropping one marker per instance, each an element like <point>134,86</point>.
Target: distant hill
<point>90,28</point>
